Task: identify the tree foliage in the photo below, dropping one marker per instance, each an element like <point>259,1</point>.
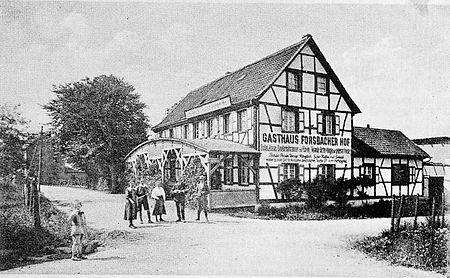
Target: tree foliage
<point>98,121</point>
<point>12,139</point>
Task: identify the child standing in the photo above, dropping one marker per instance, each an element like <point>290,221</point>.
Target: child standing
<point>78,230</point>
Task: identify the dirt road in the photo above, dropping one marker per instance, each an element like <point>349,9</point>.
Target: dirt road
<point>226,246</point>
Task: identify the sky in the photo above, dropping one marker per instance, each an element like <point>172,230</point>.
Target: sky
<point>393,60</point>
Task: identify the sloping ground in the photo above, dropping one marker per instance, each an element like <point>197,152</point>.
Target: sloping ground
<point>19,240</point>
<point>226,246</point>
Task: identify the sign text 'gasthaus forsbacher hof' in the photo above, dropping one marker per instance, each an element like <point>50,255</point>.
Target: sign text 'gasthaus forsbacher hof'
<point>303,148</point>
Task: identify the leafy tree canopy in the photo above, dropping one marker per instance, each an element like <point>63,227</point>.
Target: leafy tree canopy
<point>12,139</point>
<point>98,121</point>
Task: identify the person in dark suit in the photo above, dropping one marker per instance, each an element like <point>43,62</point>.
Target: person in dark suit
<point>179,191</point>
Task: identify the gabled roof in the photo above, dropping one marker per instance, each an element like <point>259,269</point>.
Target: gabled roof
<point>374,142</point>
<point>432,140</point>
<point>248,83</point>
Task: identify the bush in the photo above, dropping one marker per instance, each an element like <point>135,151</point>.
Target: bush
<point>424,247</point>
<point>190,177</point>
<point>291,189</point>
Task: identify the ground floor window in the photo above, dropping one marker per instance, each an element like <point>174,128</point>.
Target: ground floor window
<point>326,172</point>
<point>412,174</point>
<point>291,171</point>
<point>244,172</point>
<point>368,172</point>
<point>228,170</point>
<point>400,174</point>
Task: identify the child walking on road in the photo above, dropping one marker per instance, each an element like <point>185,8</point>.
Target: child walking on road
<point>78,230</point>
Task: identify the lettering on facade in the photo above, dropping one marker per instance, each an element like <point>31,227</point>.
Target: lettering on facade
<point>209,107</point>
<point>297,148</point>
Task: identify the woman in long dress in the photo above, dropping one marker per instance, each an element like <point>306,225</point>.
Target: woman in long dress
<point>130,206</point>
<point>160,196</point>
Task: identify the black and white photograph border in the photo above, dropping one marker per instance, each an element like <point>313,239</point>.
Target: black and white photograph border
<point>225,138</point>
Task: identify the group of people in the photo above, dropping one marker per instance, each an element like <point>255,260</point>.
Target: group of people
<point>139,198</point>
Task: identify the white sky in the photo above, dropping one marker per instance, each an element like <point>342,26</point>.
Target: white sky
<point>392,59</point>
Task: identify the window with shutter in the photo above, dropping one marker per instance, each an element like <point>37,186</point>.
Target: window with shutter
<point>337,124</point>
<point>320,123</point>
<point>301,121</point>
<point>289,120</point>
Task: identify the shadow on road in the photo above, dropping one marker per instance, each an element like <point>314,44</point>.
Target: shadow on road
<point>107,258</point>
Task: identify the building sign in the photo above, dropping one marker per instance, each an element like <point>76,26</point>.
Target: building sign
<point>304,148</point>
<point>209,107</point>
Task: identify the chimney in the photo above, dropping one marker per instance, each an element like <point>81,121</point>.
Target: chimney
<point>368,126</point>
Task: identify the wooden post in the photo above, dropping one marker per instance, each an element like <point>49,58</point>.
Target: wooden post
<point>433,212</point>
<point>36,209</point>
<point>416,209</point>
<point>443,209</point>
<point>392,213</point>
<point>40,158</point>
<point>256,175</point>
<point>400,211</point>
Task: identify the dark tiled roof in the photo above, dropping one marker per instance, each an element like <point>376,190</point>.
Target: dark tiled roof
<point>382,142</point>
<point>242,85</point>
<point>432,140</point>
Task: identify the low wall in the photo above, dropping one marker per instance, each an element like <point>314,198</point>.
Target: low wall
<point>232,199</point>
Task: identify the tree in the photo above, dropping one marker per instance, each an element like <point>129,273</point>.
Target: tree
<point>98,121</point>
<point>12,139</point>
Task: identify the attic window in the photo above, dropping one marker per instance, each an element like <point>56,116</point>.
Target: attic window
<point>242,77</point>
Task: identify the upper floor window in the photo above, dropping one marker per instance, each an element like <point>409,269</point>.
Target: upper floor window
<point>226,123</point>
<point>328,124</point>
<point>185,131</point>
<point>196,130</point>
<point>292,120</point>
<point>160,134</point>
<point>242,120</point>
<point>293,81</point>
<point>321,85</point>
<point>171,133</point>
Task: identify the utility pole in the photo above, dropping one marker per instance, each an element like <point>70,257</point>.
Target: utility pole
<point>37,188</point>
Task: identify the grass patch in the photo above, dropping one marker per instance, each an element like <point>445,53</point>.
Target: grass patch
<point>296,212</point>
<point>21,243</point>
<point>424,247</point>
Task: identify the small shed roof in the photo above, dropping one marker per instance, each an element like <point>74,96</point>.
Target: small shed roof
<point>432,140</point>
<point>375,142</point>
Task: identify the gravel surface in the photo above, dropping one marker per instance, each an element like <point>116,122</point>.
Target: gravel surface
<point>225,246</point>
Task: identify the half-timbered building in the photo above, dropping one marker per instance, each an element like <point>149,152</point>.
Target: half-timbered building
<point>284,116</point>
<point>390,160</point>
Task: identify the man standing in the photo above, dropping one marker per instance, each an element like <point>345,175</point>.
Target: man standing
<point>179,191</point>
<point>142,201</point>
<point>202,197</point>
